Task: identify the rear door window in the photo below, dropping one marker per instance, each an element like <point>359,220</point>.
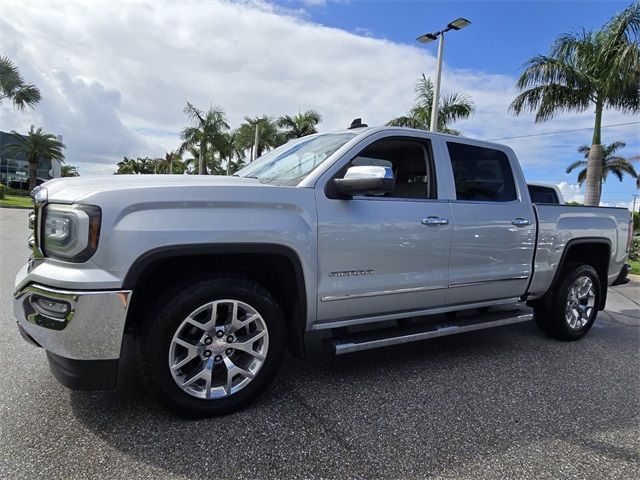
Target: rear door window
<point>481,174</point>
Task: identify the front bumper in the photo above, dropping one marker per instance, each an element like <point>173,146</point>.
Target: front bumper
<point>91,327</point>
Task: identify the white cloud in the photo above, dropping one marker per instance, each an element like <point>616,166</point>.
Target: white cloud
<point>115,76</point>
<point>571,192</point>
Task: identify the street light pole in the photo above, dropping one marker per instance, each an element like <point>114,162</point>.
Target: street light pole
<point>436,88</point>
<point>457,24</point>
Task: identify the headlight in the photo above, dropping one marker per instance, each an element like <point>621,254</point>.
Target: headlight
<point>70,232</point>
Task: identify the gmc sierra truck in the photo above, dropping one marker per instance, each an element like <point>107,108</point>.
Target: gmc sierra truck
<point>374,236</point>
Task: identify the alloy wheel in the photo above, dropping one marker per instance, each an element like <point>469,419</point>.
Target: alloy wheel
<point>218,349</point>
<point>580,303</point>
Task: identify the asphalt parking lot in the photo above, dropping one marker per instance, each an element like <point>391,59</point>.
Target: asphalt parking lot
<point>500,403</point>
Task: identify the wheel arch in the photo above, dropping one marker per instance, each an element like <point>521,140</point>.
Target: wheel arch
<point>594,251</point>
<point>277,267</point>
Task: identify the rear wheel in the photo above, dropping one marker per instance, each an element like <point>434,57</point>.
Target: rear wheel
<point>212,346</point>
<point>572,309</point>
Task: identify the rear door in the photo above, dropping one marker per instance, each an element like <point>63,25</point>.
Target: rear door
<point>494,225</point>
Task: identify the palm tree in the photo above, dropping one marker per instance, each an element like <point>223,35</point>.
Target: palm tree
<point>138,166</point>
<point>36,145</point>
<point>12,86</point>
<point>127,166</point>
<point>589,69</point>
<point>299,125</point>
<point>619,166</point>
<point>191,164</point>
<point>69,171</point>
<point>171,163</point>
<point>207,133</point>
<point>454,106</point>
<point>258,134</point>
<point>233,151</point>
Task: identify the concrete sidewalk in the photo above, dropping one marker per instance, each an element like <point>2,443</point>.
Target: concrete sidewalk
<point>623,303</point>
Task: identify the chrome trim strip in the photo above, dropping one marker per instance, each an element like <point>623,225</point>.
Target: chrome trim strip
<point>411,313</point>
<point>483,282</point>
<point>332,298</point>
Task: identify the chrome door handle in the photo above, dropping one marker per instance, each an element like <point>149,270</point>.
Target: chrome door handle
<point>520,222</point>
<point>434,221</point>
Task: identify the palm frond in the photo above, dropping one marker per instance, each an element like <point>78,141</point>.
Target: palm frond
<point>406,121</point>
<point>576,164</point>
<point>455,106</point>
<point>582,176</point>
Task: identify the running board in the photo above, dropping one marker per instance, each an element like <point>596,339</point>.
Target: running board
<point>384,337</point>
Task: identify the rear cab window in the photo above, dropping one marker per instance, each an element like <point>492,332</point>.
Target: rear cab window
<point>481,174</point>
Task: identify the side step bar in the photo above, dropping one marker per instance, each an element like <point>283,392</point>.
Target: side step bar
<point>384,337</point>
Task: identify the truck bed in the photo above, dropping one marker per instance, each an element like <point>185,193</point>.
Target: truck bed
<point>561,225</point>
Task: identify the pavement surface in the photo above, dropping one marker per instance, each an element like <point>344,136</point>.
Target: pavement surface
<point>500,403</point>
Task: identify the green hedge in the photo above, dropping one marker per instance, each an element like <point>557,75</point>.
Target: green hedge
<point>634,252</point>
<point>17,192</point>
<point>3,191</point>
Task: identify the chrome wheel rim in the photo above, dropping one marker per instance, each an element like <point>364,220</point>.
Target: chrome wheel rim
<point>580,303</point>
<point>218,349</point>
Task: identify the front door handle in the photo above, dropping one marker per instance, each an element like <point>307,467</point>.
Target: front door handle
<point>434,221</point>
<point>520,222</point>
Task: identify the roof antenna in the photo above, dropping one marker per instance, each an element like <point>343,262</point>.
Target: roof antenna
<point>357,123</point>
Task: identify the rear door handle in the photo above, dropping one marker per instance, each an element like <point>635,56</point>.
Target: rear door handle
<point>520,222</point>
<point>434,221</point>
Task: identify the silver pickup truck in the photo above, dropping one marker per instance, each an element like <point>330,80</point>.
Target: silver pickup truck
<point>374,236</point>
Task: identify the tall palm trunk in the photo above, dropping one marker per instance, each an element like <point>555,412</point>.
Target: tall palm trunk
<point>33,173</point>
<point>202,161</point>
<point>594,163</point>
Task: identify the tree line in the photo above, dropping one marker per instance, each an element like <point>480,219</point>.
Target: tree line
<point>211,147</point>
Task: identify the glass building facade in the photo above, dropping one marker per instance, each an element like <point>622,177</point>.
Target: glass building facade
<point>14,169</point>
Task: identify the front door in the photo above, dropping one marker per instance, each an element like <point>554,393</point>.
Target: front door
<point>384,254</point>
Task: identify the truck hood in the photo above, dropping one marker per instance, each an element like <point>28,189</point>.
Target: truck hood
<point>77,189</point>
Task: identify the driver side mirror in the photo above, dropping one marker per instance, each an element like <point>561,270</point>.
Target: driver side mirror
<point>365,180</point>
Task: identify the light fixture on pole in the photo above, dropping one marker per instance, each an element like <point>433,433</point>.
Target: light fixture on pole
<point>430,37</point>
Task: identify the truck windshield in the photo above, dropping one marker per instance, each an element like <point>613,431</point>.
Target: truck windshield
<point>291,162</point>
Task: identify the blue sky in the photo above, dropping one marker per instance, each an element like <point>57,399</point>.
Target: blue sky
<point>502,35</point>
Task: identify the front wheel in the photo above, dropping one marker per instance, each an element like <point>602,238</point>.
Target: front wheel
<point>571,311</point>
<point>212,346</point>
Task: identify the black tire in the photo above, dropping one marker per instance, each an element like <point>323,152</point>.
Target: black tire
<point>162,323</point>
<point>550,315</point>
